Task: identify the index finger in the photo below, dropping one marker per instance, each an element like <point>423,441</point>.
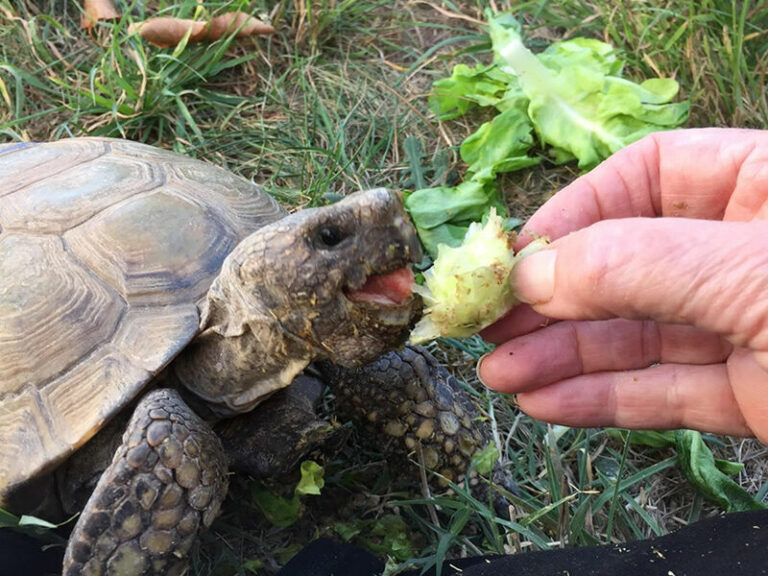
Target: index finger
<point>689,173</point>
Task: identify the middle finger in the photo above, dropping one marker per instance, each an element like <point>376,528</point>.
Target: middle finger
<point>568,349</point>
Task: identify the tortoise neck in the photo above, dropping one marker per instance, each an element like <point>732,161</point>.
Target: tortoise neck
<point>242,354</point>
<point>232,373</point>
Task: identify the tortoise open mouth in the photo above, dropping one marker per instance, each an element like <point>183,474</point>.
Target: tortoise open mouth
<point>387,289</point>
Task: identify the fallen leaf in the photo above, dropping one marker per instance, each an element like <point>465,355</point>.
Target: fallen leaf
<point>167,31</point>
<point>225,23</point>
<point>95,10</point>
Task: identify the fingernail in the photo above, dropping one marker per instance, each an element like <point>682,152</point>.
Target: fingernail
<point>533,278</point>
<point>477,369</point>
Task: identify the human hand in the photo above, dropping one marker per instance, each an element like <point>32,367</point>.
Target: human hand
<point>658,275</point>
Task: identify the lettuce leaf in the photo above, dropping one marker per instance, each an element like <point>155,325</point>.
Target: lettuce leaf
<point>443,214</point>
<point>569,100</point>
<point>706,474</point>
<point>500,145</point>
<point>577,102</point>
<point>482,86</point>
<point>468,287</point>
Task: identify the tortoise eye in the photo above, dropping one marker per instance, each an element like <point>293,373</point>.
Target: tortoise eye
<point>331,236</point>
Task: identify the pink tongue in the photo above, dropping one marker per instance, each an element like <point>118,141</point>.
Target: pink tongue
<point>392,288</point>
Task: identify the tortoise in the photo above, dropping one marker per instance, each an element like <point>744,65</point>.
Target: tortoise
<point>153,309</point>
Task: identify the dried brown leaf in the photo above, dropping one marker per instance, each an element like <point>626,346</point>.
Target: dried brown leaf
<point>226,23</point>
<point>96,10</point>
<point>167,31</point>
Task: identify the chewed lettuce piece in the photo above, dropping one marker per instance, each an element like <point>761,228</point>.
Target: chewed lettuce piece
<point>468,287</point>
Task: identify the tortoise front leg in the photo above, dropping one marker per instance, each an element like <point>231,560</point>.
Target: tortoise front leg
<point>409,403</point>
<point>271,440</point>
<point>165,484</point>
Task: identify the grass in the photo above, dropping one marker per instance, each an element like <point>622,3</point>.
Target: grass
<point>335,102</point>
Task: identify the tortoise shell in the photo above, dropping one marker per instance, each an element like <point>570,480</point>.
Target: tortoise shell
<point>106,247</point>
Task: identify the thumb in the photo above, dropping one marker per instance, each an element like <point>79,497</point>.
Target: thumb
<point>709,274</point>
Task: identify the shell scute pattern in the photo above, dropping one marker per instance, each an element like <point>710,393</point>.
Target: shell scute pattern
<point>158,248</point>
<point>22,165</point>
<point>72,196</point>
<point>54,311</point>
<point>245,210</point>
<point>106,246</point>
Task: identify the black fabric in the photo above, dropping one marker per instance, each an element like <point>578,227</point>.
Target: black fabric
<point>22,555</point>
<point>328,558</point>
<point>730,545</point>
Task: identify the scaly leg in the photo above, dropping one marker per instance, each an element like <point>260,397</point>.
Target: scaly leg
<point>165,484</point>
<point>272,439</point>
<point>411,404</point>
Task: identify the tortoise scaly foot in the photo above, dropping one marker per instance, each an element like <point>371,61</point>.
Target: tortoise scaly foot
<point>409,403</point>
<point>270,441</point>
<point>165,484</point>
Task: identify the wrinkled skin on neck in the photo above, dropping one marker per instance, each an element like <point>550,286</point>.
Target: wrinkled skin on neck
<point>281,300</point>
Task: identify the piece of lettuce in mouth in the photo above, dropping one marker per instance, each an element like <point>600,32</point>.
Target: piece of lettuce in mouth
<point>468,287</point>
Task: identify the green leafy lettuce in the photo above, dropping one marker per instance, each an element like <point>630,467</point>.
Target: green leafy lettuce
<point>710,476</point>
<point>282,511</point>
<point>707,474</point>
<point>570,100</point>
<point>386,534</point>
<point>468,286</point>
<point>578,103</point>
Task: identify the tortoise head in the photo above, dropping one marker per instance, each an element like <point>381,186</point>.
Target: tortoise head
<point>336,277</point>
<point>328,282</point>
